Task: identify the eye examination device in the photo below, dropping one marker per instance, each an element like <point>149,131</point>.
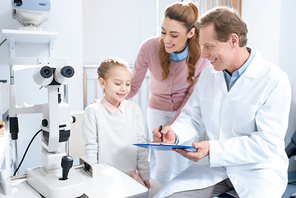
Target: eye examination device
<point>31,13</point>
<point>55,179</point>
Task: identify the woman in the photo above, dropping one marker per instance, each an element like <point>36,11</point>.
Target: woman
<point>175,65</point>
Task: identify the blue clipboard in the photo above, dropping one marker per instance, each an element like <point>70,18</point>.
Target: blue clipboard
<point>166,147</point>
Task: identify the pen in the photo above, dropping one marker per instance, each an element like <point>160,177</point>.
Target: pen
<point>161,137</point>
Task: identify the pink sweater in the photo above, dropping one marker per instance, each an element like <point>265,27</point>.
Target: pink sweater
<point>169,94</point>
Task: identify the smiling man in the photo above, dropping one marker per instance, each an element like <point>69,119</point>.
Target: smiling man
<point>242,101</point>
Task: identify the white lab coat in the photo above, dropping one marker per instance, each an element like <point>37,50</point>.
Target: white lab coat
<point>246,128</point>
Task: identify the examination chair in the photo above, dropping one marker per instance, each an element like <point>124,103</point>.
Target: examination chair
<point>226,195</point>
<point>291,148</point>
<point>291,151</point>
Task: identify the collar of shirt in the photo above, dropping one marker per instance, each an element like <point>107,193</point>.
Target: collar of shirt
<point>110,107</point>
<point>177,57</point>
<point>230,80</point>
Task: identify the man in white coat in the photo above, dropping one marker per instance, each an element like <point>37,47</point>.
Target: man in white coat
<point>242,101</point>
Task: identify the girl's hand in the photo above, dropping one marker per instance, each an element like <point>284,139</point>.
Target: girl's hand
<point>147,183</point>
<point>95,101</point>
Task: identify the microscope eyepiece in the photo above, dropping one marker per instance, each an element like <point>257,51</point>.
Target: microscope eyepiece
<point>46,72</point>
<point>67,71</point>
<point>18,2</point>
<point>64,74</point>
<point>43,75</point>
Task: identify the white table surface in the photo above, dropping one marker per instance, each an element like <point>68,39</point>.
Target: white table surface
<point>108,182</point>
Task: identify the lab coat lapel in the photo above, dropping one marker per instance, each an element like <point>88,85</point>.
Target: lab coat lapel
<point>220,80</point>
<point>252,73</point>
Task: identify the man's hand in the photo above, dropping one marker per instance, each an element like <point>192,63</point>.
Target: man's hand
<point>168,135</point>
<point>202,151</point>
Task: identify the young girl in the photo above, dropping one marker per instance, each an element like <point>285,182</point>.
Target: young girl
<point>111,125</point>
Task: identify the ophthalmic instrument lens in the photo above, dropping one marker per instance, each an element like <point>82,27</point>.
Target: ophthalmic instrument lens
<point>67,71</point>
<point>46,72</point>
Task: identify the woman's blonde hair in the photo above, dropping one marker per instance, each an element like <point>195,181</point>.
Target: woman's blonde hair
<point>187,14</point>
<point>108,64</point>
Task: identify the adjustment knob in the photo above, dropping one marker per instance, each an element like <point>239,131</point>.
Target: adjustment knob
<point>67,163</point>
<point>44,123</point>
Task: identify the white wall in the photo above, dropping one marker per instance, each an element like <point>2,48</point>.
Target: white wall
<point>263,22</point>
<point>66,19</point>
<point>116,28</point>
<point>272,30</point>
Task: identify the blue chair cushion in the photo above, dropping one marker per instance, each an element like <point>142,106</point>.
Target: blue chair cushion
<point>224,195</point>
